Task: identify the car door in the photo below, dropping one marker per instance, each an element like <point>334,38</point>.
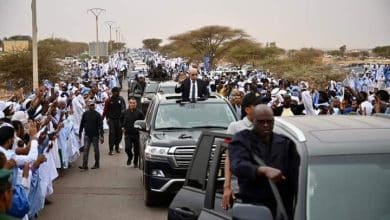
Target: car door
<point>144,136</point>
<point>189,201</point>
<point>214,189</point>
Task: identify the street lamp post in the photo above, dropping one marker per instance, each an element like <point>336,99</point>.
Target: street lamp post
<point>110,23</point>
<point>97,12</point>
<point>34,44</point>
<point>117,33</point>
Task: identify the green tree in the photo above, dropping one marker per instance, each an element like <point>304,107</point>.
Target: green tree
<point>343,49</point>
<point>213,41</point>
<point>19,37</point>
<point>307,56</point>
<point>60,48</point>
<point>382,51</point>
<point>17,67</point>
<point>152,44</point>
<point>335,53</point>
<point>358,54</point>
<point>271,51</point>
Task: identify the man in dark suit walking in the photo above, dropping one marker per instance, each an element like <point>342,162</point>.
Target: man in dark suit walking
<point>192,88</point>
<point>92,124</point>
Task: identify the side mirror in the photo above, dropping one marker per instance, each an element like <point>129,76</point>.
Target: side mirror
<point>140,125</point>
<point>250,212</point>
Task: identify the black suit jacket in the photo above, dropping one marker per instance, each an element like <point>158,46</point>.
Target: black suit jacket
<point>203,92</point>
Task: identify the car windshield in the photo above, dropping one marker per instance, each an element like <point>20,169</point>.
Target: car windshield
<point>194,115</point>
<point>349,187</point>
<point>167,89</point>
<point>151,88</point>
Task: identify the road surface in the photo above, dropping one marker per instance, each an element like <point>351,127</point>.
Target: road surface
<point>113,192</point>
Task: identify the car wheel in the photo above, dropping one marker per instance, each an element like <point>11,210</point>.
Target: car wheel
<point>151,198</point>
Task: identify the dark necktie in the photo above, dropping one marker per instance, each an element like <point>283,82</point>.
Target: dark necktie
<point>193,91</point>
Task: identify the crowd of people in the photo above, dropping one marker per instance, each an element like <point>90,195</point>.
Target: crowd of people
<point>364,91</point>
<point>45,131</point>
<point>286,98</point>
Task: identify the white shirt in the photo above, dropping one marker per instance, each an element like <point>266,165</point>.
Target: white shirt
<point>196,89</point>
<point>366,107</point>
<point>240,125</point>
<point>234,128</point>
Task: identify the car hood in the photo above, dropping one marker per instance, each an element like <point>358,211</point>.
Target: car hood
<point>176,137</point>
<point>149,95</point>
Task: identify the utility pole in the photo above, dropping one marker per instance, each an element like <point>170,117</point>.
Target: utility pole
<point>97,12</point>
<point>110,23</point>
<point>117,32</point>
<point>34,44</point>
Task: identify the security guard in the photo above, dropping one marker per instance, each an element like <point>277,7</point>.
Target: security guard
<point>113,109</point>
<point>279,155</point>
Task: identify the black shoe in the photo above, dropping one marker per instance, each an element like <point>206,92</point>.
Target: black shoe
<point>118,151</point>
<point>95,167</point>
<point>81,149</point>
<point>135,165</point>
<point>110,153</point>
<point>128,162</point>
<point>83,168</point>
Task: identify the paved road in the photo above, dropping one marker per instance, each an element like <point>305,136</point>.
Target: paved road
<point>113,192</point>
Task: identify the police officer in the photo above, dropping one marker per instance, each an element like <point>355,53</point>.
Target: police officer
<point>113,109</point>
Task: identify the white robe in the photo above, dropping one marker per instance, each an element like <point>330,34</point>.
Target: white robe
<point>48,173</point>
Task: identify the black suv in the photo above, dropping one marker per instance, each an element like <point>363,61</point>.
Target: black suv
<point>168,137</point>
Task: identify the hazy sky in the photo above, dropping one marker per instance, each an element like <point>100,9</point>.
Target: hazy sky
<point>290,23</point>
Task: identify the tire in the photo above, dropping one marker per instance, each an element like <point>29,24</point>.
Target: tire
<point>151,198</point>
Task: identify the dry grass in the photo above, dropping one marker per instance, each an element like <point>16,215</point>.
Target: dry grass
<point>5,94</point>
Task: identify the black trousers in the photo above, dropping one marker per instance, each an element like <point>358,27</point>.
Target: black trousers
<point>114,134</point>
<point>132,143</point>
<point>87,143</point>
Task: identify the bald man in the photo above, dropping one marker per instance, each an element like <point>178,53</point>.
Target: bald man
<point>278,153</point>
<point>192,88</point>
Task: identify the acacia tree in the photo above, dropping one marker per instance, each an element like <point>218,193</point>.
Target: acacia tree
<point>212,41</point>
<point>152,44</point>
<point>244,51</point>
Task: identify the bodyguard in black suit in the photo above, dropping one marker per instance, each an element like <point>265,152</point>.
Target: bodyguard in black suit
<point>192,88</point>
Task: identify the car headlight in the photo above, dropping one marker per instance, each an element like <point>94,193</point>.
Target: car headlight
<point>156,153</point>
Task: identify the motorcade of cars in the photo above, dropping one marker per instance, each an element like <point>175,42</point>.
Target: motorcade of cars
<point>168,138</point>
<point>344,172</point>
<point>150,91</point>
<point>167,87</point>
